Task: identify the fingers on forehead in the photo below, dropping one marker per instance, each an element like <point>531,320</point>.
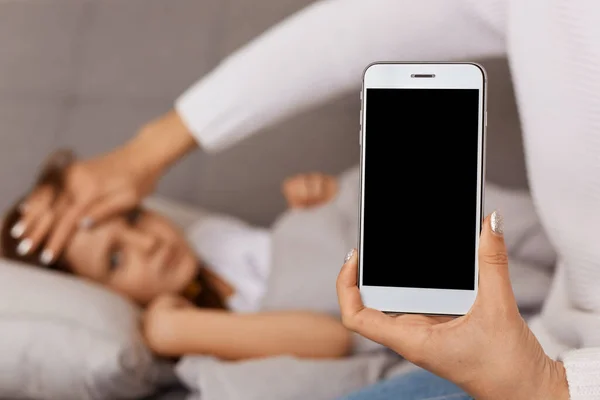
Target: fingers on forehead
<point>41,196</point>
<point>64,227</point>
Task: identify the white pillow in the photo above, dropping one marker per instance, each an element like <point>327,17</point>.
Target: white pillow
<point>64,338</point>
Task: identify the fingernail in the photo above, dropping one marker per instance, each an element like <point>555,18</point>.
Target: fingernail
<point>497,223</point>
<point>86,223</point>
<point>348,256</point>
<point>46,257</point>
<point>17,230</point>
<point>24,246</point>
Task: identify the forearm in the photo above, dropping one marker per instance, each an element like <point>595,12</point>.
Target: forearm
<point>160,143</point>
<point>242,336</point>
<point>313,56</point>
<point>321,52</point>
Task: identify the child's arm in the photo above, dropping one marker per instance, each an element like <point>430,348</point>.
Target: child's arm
<point>309,190</point>
<point>175,331</point>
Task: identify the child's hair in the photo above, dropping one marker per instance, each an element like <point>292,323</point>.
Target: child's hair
<point>53,174</point>
<point>9,244</point>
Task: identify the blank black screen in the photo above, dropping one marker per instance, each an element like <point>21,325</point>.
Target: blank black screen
<point>420,188</point>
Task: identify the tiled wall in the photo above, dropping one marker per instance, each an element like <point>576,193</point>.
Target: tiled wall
<point>86,74</point>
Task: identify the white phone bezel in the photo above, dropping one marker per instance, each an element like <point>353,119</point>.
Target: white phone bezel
<point>447,75</point>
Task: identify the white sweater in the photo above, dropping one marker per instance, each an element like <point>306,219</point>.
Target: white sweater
<point>553,48</point>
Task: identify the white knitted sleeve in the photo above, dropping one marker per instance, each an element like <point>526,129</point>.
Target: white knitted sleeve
<point>583,373</point>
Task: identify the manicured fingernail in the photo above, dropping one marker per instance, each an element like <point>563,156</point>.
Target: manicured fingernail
<point>24,246</point>
<point>46,257</point>
<point>17,230</point>
<point>348,256</point>
<point>497,223</point>
<point>86,223</point>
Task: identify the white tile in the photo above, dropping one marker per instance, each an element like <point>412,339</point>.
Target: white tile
<point>95,126</point>
<point>147,48</point>
<point>37,42</point>
<point>27,133</point>
<point>245,19</point>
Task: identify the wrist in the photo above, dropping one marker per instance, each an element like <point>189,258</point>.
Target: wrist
<point>550,385</point>
<point>159,144</point>
<point>547,381</point>
<point>558,387</point>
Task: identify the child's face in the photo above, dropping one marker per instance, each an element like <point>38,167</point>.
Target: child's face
<point>140,257</point>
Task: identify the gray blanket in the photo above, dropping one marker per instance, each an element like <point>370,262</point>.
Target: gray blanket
<point>308,251</point>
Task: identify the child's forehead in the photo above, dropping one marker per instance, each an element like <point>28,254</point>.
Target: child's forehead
<point>86,252</point>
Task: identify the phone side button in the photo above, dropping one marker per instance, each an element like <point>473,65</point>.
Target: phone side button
<point>360,137</point>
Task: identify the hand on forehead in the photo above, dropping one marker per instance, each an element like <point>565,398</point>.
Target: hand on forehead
<point>88,250</point>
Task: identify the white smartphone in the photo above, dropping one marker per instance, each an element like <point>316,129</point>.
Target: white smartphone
<point>422,180</point>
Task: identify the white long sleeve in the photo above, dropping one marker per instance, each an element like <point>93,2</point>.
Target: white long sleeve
<point>583,373</point>
<point>554,52</point>
<point>321,52</point>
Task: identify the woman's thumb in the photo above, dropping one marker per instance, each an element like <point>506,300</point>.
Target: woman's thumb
<point>493,258</point>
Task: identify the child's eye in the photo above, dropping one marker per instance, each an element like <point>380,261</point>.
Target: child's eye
<point>133,216</point>
<point>114,259</point>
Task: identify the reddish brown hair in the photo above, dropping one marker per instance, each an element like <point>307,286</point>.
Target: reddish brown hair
<point>52,173</point>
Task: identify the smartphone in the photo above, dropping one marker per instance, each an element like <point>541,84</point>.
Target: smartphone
<point>422,179</point>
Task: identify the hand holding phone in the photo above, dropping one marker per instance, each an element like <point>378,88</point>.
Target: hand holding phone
<point>488,352</point>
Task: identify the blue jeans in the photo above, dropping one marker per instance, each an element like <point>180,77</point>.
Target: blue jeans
<point>414,385</point>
